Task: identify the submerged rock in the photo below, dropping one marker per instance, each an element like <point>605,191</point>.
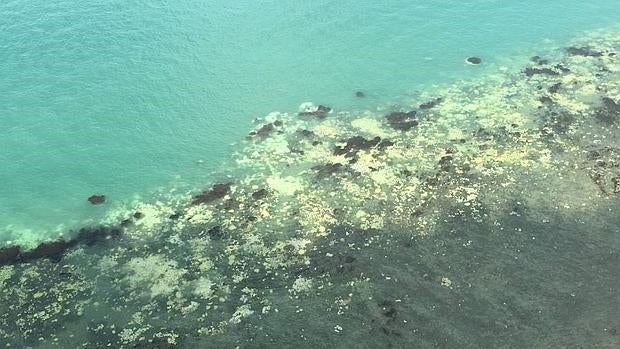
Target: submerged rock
<point>403,121</point>
<point>265,130</point>
<point>538,60</point>
<point>53,250</point>
<point>305,133</point>
<point>583,51</point>
<point>262,132</point>
<point>529,71</point>
<point>357,143</point>
<point>560,122</point>
<point>609,112</point>
<point>218,191</point>
<point>90,236</point>
<point>325,171</point>
<point>9,255</point>
<point>320,112</point>
<point>607,157</point>
<point>555,88</point>
<point>260,194</point>
<point>474,60</point>
<point>96,199</point>
<point>431,104</point>
<point>216,233</point>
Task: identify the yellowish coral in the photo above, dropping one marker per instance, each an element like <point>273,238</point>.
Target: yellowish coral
<point>156,275</point>
<point>199,214</point>
<point>327,129</point>
<point>285,185</point>
<point>369,126</point>
<point>5,273</point>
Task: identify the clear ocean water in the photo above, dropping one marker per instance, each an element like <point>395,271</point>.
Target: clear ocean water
<point>130,98</point>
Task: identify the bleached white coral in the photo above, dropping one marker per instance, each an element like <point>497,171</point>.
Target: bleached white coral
<point>285,185</point>
<point>302,285</point>
<point>203,288</point>
<point>156,274</point>
<point>241,313</point>
<point>5,274</point>
<point>369,126</point>
<point>327,129</point>
<point>199,214</point>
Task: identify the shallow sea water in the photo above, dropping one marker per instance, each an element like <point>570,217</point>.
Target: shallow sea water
<point>452,206</point>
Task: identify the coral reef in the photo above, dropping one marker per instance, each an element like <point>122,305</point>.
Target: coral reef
<point>410,225</point>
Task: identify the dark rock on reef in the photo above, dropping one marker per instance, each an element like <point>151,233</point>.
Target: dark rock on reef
<point>260,194</point>
<point>603,170</point>
<point>231,204</point>
<point>357,143</point>
<point>445,163</point>
<point>53,250</point>
<point>360,94</point>
<point>609,112</point>
<point>264,130</point>
<point>605,157</point>
<point>216,233</point>
<point>337,211</point>
<point>559,122</point>
<point>583,51</point>
<point>218,191</point>
<point>403,121</point>
<point>297,151</point>
<point>320,112</point>
<point>599,178</point>
<point>538,60</point>
<point>555,88</point>
<point>431,104</point>
<point>529,71</point>
<point>91,236</point>
<point>325,171</point>
<point>545,100</point>
<point>305,133</point>
<point>96,199</point>
<point>616,183</point>
<point>174,216</point>
<point>474,60</point>
<point>9,255</point>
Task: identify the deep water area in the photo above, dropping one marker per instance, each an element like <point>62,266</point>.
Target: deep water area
<point>477,214</point>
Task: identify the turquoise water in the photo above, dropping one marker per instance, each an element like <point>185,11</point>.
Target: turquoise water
<point>130,98</point>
